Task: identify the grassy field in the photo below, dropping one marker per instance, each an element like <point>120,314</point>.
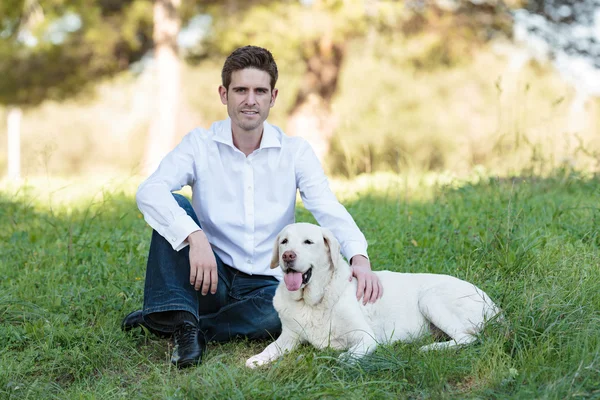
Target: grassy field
<point>72,267</point>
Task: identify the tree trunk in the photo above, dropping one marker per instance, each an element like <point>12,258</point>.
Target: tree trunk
<point>313,121</point>
<point>168,76</point>
<point>578,115</point>
<point>311,116</point>
<point>14,143</point>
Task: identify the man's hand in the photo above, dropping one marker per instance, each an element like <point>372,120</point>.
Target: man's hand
<point>203,265</point>
<point>369,285</point>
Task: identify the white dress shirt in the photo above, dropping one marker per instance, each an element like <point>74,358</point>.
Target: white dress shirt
<point>242,202</point>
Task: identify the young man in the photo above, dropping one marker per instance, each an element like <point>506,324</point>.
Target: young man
<point>208,275</point>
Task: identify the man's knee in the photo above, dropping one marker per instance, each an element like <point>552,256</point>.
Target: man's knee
<point>186,205</point>
<point>272,330</point>
<point>268,325</point>
<point>183,202</point>
<point>267,319</point>
<point>273,324</point>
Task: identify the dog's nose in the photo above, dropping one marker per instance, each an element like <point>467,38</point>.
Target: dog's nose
<point>288,256</point>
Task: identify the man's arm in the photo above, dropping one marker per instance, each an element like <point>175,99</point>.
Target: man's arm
<point>155,199</point>
<point>162,212</point>
<point>329,213</point>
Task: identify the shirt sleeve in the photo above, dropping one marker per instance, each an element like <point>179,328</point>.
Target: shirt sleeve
<point>154,196</point>
<point>322,203</point>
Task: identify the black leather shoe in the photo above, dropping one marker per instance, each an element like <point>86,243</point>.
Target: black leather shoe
<point>189,345</point>
<point>134,320</point>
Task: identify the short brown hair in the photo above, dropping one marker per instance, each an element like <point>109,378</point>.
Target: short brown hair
<point>249,57</point>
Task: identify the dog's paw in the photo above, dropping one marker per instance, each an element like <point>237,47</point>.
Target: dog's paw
<point>256,361</point>
<point>348,357</point>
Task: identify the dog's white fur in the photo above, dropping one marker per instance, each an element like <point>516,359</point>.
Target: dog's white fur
<point>325,312</point>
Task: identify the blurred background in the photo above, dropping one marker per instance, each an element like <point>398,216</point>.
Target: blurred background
<point>107,87</point>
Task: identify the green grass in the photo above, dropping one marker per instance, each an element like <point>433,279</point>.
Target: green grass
<point>70,271</point>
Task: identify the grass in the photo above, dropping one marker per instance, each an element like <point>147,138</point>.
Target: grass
<point>71,269</point>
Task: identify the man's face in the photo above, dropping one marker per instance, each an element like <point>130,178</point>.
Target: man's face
<point>249,98</point>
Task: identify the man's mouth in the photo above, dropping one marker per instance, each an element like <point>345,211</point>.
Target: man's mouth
<point>249,112</point>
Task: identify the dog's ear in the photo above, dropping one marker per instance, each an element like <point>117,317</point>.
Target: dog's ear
<point>333,246</point>
<point>275,257</point>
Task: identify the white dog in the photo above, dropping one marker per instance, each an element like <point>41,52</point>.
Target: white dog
<point>317,302</point>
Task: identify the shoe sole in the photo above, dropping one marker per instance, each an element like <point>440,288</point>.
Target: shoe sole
<point>186,363</point>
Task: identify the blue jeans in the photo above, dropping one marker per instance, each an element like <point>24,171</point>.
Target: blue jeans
<point>241,307</point>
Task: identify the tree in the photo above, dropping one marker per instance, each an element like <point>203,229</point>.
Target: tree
<point>57,49</point>
<point>167,24</point>
<point>70,45</point>
<point>314,36</point>
<point>311,34</point>
<point>169,15</point>
<point>78,42</point>
<point>565,32</point>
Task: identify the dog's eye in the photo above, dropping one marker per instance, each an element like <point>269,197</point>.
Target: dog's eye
<point>308,241</point>
<point>284,241</point>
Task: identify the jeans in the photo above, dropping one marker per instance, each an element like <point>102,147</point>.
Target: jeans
<point>241,307</point>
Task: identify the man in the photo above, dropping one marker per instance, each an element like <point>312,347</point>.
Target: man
<point>208,275</point>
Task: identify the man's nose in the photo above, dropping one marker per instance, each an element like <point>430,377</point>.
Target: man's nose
<point>251,98</point>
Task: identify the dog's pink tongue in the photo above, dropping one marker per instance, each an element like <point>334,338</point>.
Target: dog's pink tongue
<point>293,280</point>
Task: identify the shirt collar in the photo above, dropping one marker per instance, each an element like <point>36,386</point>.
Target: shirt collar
<point>270,137</point>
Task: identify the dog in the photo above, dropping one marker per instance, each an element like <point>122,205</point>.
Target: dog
<point>317,304</point>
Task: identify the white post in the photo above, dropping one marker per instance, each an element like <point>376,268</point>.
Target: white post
<point>14,143</point>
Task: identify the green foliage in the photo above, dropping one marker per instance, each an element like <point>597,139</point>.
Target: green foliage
<point>417,88</point>
<point>71,271</point>
<point>284,27</point>
<point>287,27</point>
<point>390,116</point>
<point>396,116</point>
<point>63,56</point>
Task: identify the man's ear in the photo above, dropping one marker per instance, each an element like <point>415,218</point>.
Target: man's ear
<point>274,93</point>
<point>333,246</point>
<point>223,94</point>
<point>275,257</point>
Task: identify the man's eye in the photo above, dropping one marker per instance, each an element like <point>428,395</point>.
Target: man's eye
<point>308,241</point>
<point>284,241</point>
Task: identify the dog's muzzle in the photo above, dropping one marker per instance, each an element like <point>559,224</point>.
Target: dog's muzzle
<point>306,276</point>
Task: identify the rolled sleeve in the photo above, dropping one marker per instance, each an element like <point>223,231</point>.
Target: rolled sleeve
<point>178,232</point>
<point>354,248</point>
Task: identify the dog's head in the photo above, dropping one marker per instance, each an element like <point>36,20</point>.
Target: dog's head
<point>303,251</point>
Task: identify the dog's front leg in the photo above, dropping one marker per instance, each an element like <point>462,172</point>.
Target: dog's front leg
<point>286,342</point>
<point>365,344</point>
